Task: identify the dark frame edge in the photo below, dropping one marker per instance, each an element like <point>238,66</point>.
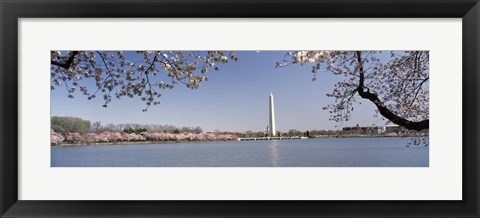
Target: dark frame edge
<point>11,207</point>
<point>470,117</point>
<point>8,110</point>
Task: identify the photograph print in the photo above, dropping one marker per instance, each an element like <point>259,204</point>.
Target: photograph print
<point>239,108</point>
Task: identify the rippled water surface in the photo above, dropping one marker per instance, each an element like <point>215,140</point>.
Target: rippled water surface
<point>328,152</point>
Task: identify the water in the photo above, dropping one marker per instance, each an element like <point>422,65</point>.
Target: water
<point>327,152</point>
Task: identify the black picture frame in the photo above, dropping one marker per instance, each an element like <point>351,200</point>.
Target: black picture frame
<point>11,11</point>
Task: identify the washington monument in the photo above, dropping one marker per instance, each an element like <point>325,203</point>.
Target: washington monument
<point>272,117</point>
<point>271,127</point>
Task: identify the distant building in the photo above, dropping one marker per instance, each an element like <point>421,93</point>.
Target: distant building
<point>370,129</point>
<point>393,128</point>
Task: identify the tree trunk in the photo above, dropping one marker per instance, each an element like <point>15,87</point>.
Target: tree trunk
<point>384,111</point>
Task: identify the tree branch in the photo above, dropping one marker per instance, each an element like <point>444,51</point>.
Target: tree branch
<point>384,111</point>
<point>67,63</point>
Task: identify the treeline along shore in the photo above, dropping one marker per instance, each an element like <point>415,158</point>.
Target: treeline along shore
<point>107,137</point>
<point>73,131</point>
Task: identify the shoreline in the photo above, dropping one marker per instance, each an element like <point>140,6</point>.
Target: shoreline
<point>369,136</point>
<point>186,141</point>
<point>131,143</point>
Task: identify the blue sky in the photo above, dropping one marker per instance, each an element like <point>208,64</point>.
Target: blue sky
<point>234,99</point>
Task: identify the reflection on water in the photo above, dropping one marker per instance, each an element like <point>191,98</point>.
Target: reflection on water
<point>274,153</point>
<point>327,152</point>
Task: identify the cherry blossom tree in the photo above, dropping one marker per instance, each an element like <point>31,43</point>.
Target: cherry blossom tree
<point>112,137</point>
<point>396,82</point>
<point>74,137</point>
<point>132,137</point>
<point>117,76</point>
<point>56,138</point>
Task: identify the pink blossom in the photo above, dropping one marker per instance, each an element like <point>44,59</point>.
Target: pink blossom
<point>55,138</point>
<point>108,136</point>
<point>74,137</point>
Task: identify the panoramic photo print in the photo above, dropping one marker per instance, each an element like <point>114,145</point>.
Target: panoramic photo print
<point>239,108</point>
